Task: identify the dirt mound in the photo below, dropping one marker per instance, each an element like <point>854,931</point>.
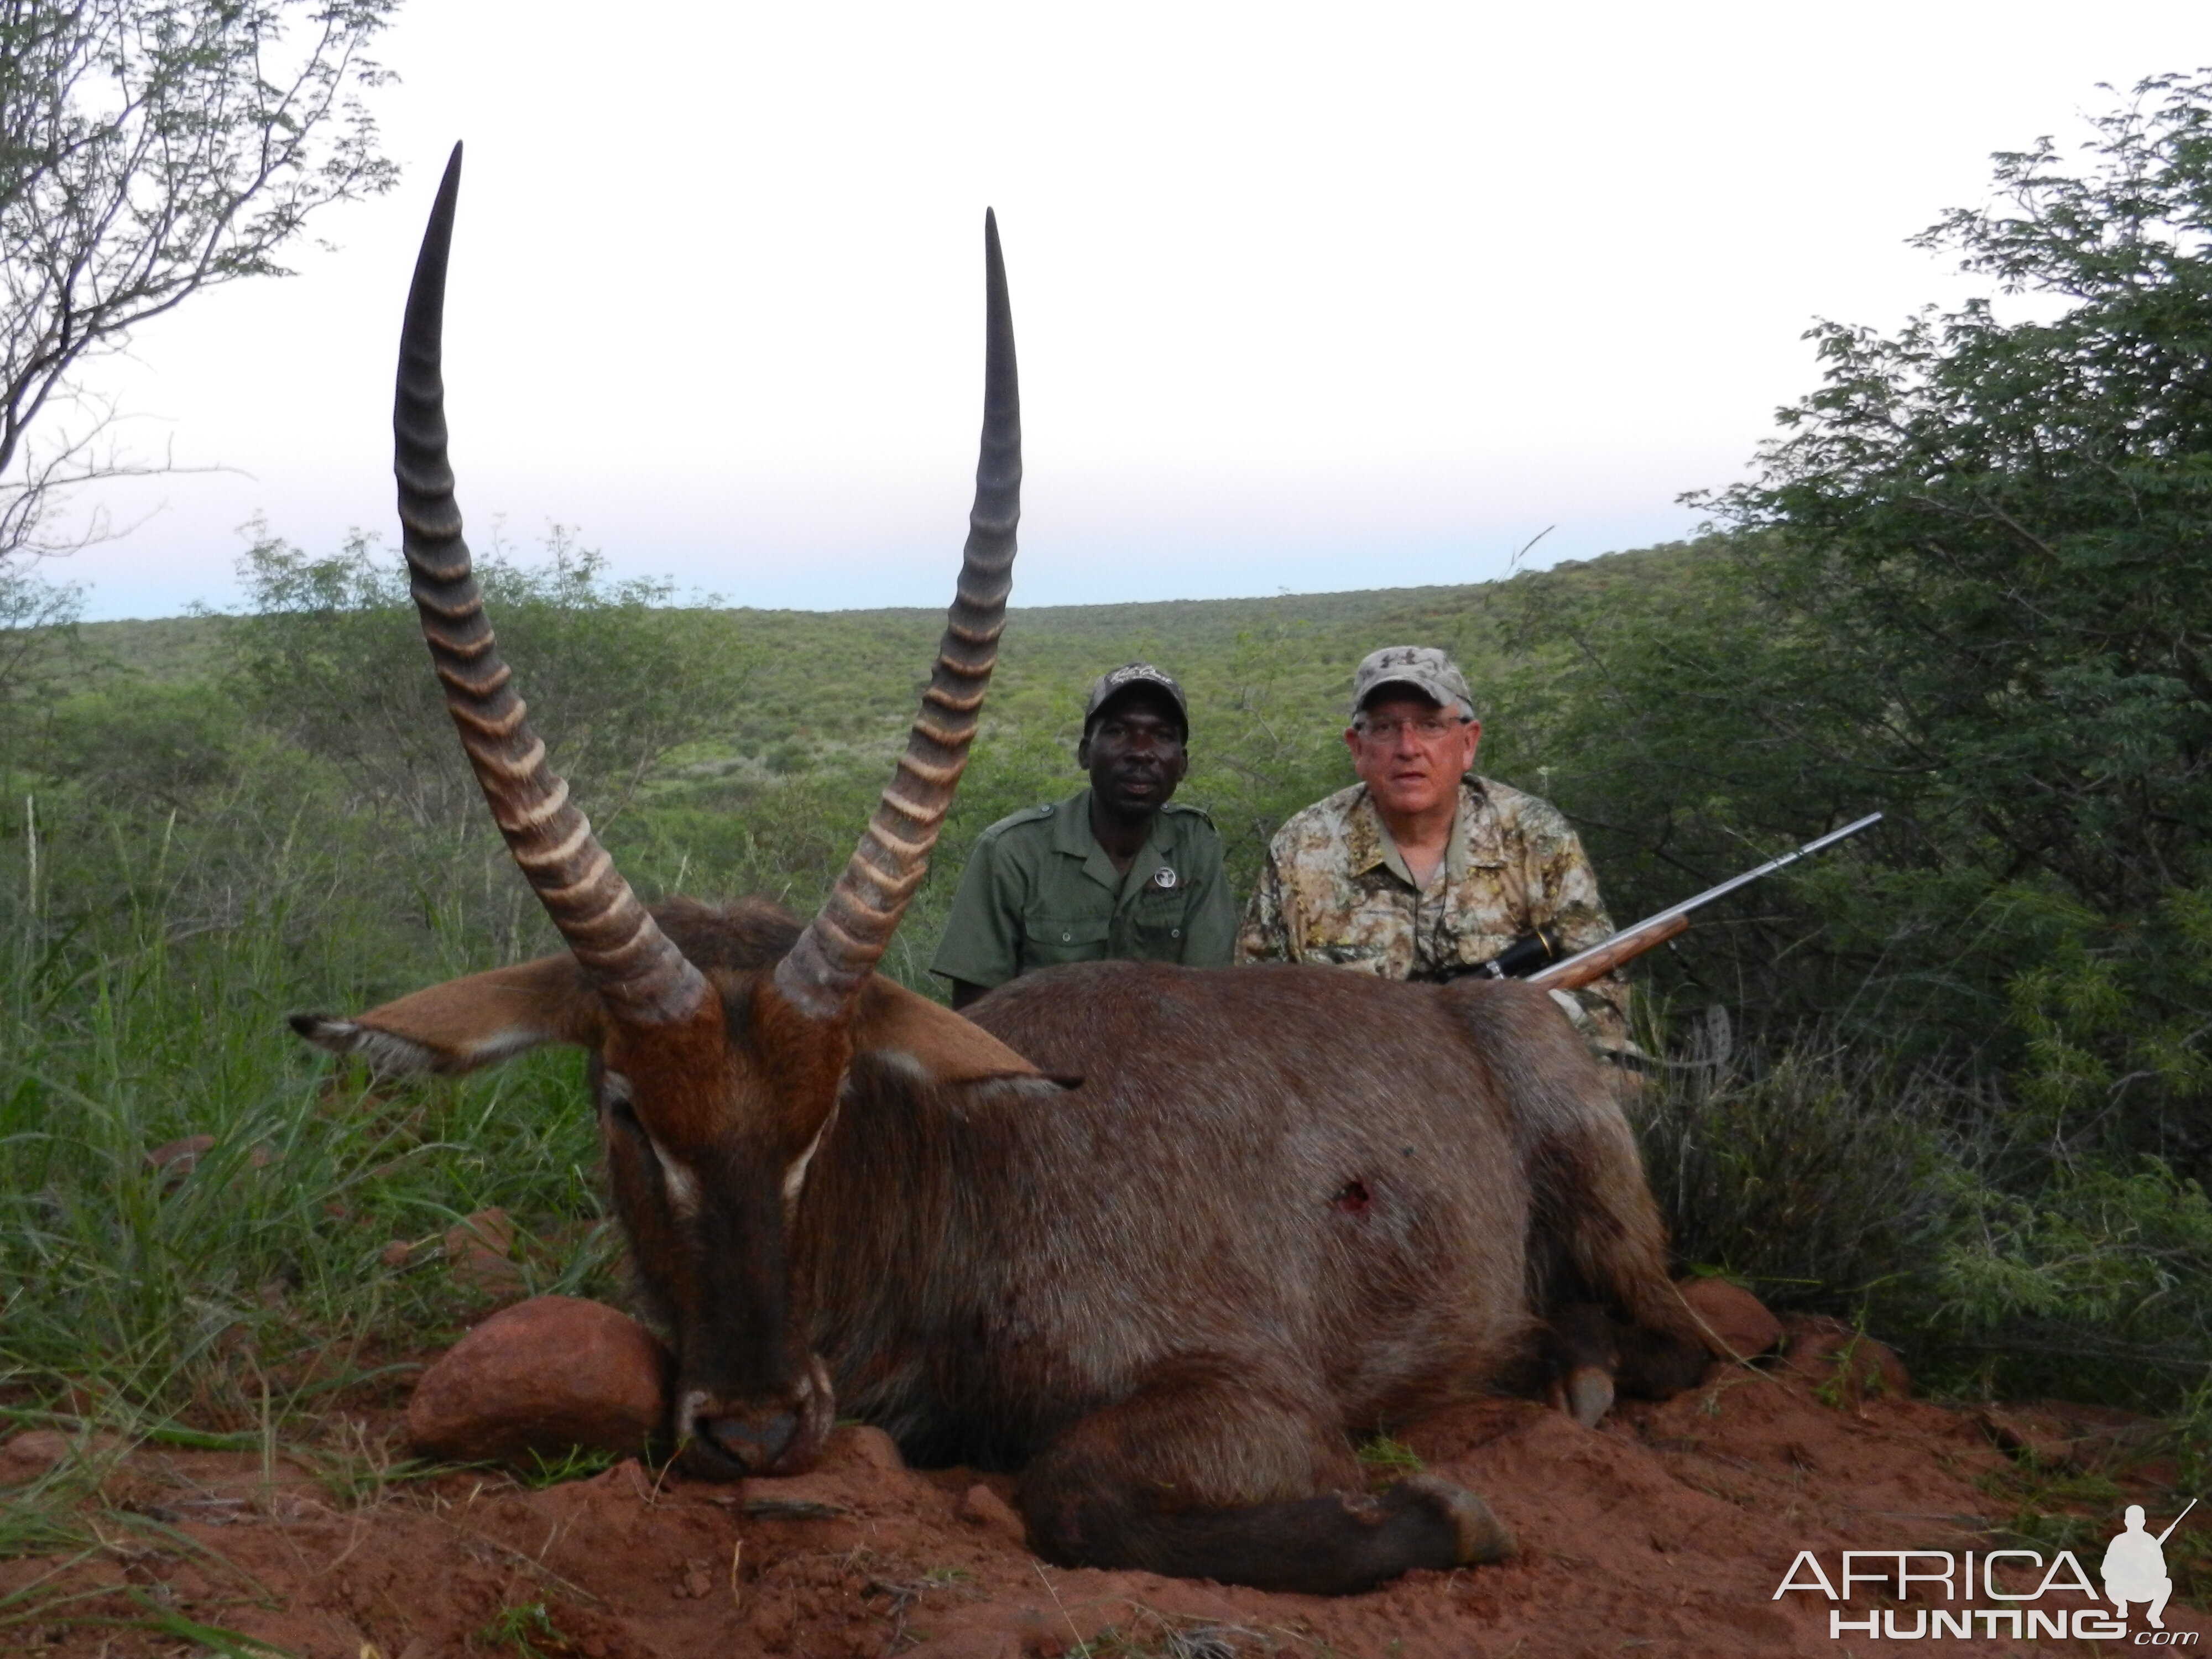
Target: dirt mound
<point>1666,1530</point>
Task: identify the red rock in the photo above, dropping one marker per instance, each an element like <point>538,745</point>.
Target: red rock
<point>865,1447</point>
<point>29,1455</point>
<point>1737,1325</point>
<point>984,1508</point>
<point>819,1495</point>
<point>2037,1435</point>
<point>177,1159</point>
<point>544,1377</point>
<point>32,1452</point>
<point>1847,1366</point>
<point>480,1251</point>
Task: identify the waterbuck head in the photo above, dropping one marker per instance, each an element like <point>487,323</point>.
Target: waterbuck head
<point>717,1071</point>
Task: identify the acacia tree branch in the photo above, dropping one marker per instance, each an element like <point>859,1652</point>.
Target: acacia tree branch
<point>150,148</point>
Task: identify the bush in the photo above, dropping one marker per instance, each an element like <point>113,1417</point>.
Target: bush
<point>1812,1174</point>
<point>1922,1206</point>
<point>615,683</point>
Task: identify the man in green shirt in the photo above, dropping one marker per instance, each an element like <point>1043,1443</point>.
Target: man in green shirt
<point>1117,870</point>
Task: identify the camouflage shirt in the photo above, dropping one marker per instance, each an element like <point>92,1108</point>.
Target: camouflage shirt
<point>1336,889</point>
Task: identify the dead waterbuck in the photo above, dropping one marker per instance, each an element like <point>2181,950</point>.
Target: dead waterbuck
<point>1164,1238</point>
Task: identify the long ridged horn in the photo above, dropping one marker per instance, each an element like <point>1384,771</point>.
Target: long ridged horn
<point>842,945</point>
<point>629,960</point>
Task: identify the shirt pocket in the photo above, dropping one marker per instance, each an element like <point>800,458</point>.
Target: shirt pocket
<point>1483,915</point>
<point>1158,924</point>
<point>1045,941</point>
<point>1373,932</point>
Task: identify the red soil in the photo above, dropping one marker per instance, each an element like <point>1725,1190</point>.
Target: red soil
<point>1664,1532</point>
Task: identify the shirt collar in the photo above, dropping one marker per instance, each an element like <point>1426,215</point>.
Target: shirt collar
<point>1071,834</point>
<point>1071,827</point>
<point>1367,840</point>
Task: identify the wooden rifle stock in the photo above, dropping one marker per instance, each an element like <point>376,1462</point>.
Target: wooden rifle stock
<point>1580,970</point>
<point>1630,943</point>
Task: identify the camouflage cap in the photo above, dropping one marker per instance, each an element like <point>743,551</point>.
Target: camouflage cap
<point>1112,684</point>
<point>1423,667</point>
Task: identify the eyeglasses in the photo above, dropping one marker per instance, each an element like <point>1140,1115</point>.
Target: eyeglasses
<point>1429,728</point>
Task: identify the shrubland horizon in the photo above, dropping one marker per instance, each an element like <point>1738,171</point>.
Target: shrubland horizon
<point>1041,608</point>
<point>1267,561</point>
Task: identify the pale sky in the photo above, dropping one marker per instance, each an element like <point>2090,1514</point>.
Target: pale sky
<point>1307,297</point>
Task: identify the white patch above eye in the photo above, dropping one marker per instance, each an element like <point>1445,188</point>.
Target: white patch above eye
<point>794,1178</point>
<point>677,1181</point>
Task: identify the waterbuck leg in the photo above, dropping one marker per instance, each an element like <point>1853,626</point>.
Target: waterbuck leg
<point>1658,1364</point>
<point>1595,1233</point>
<point>1588,1355</point>
<point>1583,1358</point>
<point>1203,1474</point>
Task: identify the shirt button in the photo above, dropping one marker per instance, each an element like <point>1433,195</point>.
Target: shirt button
<point>1067,937</point>
<point>1175,933</point>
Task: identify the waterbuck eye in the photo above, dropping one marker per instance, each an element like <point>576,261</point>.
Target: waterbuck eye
<point>615,1102</point>
<point>677,1182</point>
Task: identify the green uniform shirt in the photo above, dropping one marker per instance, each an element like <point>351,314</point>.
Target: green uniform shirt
<point>1039,890</point>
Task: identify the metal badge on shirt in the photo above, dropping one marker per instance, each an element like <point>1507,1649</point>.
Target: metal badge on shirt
<point>1165,878</point>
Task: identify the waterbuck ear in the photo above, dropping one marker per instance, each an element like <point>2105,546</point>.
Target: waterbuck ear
<point>890,1019</point>
<point>468,1023</point>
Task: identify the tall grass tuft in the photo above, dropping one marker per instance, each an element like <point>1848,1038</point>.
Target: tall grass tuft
<point>248,1260</point>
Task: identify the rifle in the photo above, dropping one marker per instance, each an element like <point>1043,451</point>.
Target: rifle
<point>2178,1520</point>
<point>1536,956</point>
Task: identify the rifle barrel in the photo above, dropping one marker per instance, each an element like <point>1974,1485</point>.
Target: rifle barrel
<point>2176,1522</point>
<point>1561,970</point>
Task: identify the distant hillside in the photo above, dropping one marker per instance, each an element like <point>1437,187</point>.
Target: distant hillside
<point>848,679</point>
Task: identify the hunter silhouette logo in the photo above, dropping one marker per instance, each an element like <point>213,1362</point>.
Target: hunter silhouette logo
<point>2030,1595</point>
<point>2135,1567</point>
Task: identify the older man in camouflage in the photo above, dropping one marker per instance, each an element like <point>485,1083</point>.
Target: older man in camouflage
<point>1422,868</point>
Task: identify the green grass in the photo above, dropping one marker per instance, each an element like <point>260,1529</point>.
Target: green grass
<point>256,1273</point>
<point>526,1630</point>
<point>1386,1457</point>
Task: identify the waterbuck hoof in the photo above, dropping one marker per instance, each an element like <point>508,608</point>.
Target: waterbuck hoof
<point>1483,1539</point>
<point>1589,1395</point>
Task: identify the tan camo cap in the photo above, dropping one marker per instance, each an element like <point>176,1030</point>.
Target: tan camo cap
<point>1424,667</point>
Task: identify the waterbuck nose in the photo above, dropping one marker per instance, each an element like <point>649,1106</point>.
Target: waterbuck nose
<point>754,1443</point>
